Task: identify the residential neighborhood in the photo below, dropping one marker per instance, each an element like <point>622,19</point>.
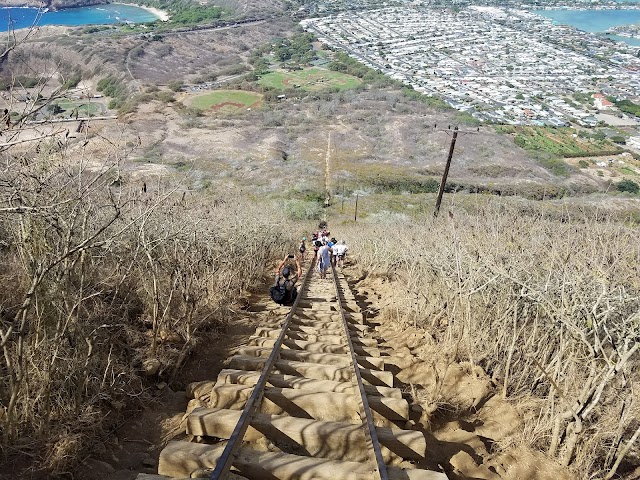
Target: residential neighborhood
<point>499,65</point>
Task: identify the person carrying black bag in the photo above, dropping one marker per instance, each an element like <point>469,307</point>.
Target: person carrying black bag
<point>284,292</point>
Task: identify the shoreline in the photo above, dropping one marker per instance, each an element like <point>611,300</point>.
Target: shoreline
<point>600,8</point>
<point>162,15</point>
<point>586,24</point>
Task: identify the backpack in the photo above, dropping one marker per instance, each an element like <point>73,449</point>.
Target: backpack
<point>279,292</point>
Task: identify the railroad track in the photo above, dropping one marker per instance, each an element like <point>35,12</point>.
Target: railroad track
<point>307,398</point>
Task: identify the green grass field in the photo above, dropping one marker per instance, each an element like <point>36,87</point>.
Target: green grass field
<point>85,108</point>
<point>226,101</point>
<point>309,79</point>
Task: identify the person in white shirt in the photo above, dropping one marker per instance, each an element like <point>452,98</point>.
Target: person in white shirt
<point>340,252</point>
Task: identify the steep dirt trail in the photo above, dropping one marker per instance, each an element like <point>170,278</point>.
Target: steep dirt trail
<point>327,175</point>
<point>451,404</point>
<point>327,379</point>
<point>127,65</point>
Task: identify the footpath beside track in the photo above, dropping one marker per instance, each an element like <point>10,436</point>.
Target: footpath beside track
<point>309,397</point>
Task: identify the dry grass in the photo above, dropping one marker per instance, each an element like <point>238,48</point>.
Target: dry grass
<point>105,288</point>
<point>548,308</point>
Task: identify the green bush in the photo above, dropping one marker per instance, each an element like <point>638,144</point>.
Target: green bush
<point>303,210</point>
<point>165,97</point>
<point>345,64</point>
<point>627,106</point>
<point>55,109</point>
<point>186,12</point>
<point>115,88</point>
<point>26,81</point>
<point>176,85</point>
<point>111,86</point>
<point>557,166</point>
<point>628,186</point>
<point>72,81</point>
<point>297,49</point>
<point>401,184</point>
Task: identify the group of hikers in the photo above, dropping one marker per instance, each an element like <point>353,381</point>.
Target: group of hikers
<point>327,252</point>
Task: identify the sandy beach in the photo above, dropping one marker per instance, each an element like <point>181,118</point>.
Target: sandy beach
<point>161,14</point>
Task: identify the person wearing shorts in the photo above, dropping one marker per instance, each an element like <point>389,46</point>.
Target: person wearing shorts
<point>303,249</point>
<point>323,259</point>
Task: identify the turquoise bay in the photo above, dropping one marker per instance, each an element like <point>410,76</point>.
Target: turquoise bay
<point>96,15</point>
<point>595,21</point>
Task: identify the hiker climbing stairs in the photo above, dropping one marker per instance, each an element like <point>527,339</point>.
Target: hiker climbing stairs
<point>309,397</point>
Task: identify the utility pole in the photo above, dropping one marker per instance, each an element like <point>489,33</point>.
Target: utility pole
<point>355,216</point>
<point>446,172</point>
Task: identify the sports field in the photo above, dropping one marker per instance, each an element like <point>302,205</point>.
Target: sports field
<point>309,79</point>
<point>226,101</point>
<point>85,108</point>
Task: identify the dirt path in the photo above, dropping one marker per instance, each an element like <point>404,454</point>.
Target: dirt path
<point>327,175</point>
<point>127,61</point>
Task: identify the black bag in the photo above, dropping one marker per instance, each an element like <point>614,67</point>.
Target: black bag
<point>279,292</point>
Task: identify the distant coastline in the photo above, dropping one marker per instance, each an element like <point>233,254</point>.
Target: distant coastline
<point>57,5</point>
<point>80,15</point>
<point>53,5</point>
<point>619,6</point>
<point>596,21</point>
<point>162,15</point>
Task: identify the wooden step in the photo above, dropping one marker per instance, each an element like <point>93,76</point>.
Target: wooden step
<point>328,406</point>
<point>355,319</point>
<point>245,377</point>
<point>180,459</point>
<point>374,363</point>
<point>314,370</point>
<point>316,347</point>
<point>328,324</point>
<point>334,328</point>
<point>334,440</point>
<point>275,332</point>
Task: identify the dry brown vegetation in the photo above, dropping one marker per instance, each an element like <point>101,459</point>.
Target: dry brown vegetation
<point>104,284</point>
<point>151,60</point>
<point>548,309</point>
<point>381,141</point>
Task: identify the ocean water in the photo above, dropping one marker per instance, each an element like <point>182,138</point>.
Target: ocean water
<point>595,21</point>
<point>631,41</point>
<point>97,15</point>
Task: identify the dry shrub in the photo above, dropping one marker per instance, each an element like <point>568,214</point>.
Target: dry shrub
<point>98,277</point>
<point>548,308</point>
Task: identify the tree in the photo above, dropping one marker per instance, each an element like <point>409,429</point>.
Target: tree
<point>55,109</point>
<point>628,186</point>
<point>176,85</point>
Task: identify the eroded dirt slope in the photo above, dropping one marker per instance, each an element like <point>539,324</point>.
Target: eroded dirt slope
<point>471,431</point>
